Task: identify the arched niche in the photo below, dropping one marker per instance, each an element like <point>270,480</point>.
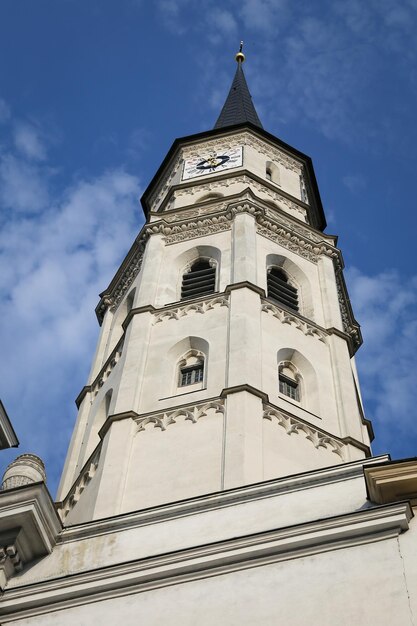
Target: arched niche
<point>182,264</point>
<point>291,360</point>
<point>297,278</point>
<point>272,172</point>
<point>189,352</point>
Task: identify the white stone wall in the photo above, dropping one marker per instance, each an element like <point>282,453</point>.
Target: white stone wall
<point>242,337</point>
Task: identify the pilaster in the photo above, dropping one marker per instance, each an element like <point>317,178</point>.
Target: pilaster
<point>244,364</point>
<point>150,271</point>
<point>243,454</point>
<point>113,468</point>
<point>133,363</point>
<point>244,248</point>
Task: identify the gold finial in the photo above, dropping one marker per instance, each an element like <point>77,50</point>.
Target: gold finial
<point>240,57</point>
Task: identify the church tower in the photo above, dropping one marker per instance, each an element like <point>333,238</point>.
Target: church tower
<point>219,470</point>
<point>226,352</point>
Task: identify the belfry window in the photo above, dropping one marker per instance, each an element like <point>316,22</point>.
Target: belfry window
<point>200,280</point>
<point>289,382</point>
<point>280,289</point>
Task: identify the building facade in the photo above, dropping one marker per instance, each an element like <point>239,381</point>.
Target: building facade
<point>220,467</point>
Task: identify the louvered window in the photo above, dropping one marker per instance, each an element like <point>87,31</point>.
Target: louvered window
<point>199,281</point>
<point>279,288</point>
<point>289,387</point>
<point>191,375</point>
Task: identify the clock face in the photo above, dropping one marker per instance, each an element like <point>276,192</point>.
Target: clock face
<point>215,161</point>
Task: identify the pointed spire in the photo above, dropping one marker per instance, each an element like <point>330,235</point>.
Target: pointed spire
<point>238,107</point>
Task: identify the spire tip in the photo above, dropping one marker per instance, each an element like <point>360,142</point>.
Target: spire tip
<point>240,57</point>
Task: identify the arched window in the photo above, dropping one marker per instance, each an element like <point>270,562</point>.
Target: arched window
<point>191,370</point>
<point>200,280</point>
<point>280,289</point>
<point>289,381</point>
<point>272,172</point>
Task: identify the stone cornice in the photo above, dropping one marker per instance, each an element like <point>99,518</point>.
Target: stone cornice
<point>201,561</point>
<point>392,481</point>
<point>29,526</point>
<point>248,388</point>
<point>220,499</point>
<point>276,195</point>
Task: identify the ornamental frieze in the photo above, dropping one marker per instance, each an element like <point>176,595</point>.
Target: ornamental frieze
<point>293,320</point>
<point>164,419</point>
<point>277,228</point>
<point>350,326</point>
<point>83,480</point>
<point>293,425</point>
<point>213,186</point>
<point>164,185</point>
<point>196,307</point>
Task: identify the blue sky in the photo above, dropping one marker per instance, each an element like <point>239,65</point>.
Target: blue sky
<point>93,92</point>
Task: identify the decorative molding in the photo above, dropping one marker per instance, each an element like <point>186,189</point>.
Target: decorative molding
<point>350,325</point>
<point>303,246</point>
<point>223,142</point>
<point>294,237</point>
<point>272,153</point>
<point>275,194</point>
<point>291,425</point>
<point>200,306</point>
<point>286,317</point>
<point>193,413</point>
<point>107,368</point>
<point>235,496</point>
<point>165,183</point>
<point>104,373</point>
<point>194,230</point>
<point>392,481</point>
<point>112,297</point>
<point>29,527</point>
<point>84,478</point>
<point>198,562</point>
<point>187,214</point>
<point>269,150</point>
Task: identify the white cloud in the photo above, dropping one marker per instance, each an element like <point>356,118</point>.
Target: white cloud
<point>171,15</point>
<point>23,187</point>
<point>266,16</point>
<point>386,307</point>
<point>57,252</point>
<point>28,141</point>
<point>222,24</point>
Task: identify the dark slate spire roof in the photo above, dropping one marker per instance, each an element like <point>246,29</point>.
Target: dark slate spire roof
<point>238,107</point>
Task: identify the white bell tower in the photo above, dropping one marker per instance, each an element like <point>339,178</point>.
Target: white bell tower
<point>226,353</point>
